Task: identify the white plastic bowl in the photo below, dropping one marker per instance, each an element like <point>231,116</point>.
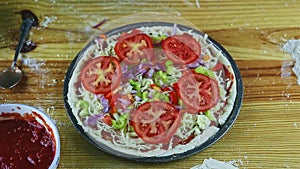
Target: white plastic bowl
<point>42,118</point>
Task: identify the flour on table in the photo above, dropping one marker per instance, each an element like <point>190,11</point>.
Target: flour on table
<point>32,63</point>
<point>197,2</point>
<point>293,48</point>
<point>215,164</point>
<point>47,20</point>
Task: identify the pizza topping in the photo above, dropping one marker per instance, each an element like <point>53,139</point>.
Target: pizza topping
<point>155,122</point>
<point>198,91</point>
<point>152,98</point>
<point>181,48</point>
<point>101,74</point>
<point>133,47</point>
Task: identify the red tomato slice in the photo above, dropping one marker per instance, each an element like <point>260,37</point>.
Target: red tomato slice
<point>172,95</point>
<point>101,75</point>
<point>198,91</point>
<point>181,48</point>
<point>133,47</point>
<point>221,67</point>
<point>155,122</point>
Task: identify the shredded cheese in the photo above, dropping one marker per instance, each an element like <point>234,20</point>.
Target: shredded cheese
<point>123,141</point>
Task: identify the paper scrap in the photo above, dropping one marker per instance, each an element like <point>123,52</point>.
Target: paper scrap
<point>293,48</point>
<point>214,164</point>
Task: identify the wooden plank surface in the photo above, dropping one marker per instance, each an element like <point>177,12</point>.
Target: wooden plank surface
<point>265,135</point>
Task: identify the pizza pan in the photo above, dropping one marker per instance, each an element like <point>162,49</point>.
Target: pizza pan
<point>198,148</point>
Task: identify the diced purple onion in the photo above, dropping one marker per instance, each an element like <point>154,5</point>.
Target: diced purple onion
<point>161,66</point>
<point>196,63</point>
<point>92,120</point>
<point>141,72</point>
<point>124,102</point>
<point>127,74</point>
<point>178,107</point>
<point>104,103</point>
<point>100,23</point>
<point>101,42</point>
<point>137,98</point>
<point>150,73</point>
<point>124,68</point>
<point>174,29</point>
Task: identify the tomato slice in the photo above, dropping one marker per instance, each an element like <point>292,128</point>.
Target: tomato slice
<point>181,48</point>
<point>198,92</point>
<point>172,95</point>
<point>155,122</point>
<point>225,72</point>
<point>134,46</point>
<point>101,75</point>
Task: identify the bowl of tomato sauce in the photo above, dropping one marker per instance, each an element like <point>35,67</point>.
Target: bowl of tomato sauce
<point>29,138</point>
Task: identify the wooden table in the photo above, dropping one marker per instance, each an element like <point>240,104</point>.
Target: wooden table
<point>267,131</point>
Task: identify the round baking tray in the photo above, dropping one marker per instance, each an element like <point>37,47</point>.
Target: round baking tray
<point>223,129</point>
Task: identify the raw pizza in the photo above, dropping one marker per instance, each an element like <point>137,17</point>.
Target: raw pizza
<point>152,90</point>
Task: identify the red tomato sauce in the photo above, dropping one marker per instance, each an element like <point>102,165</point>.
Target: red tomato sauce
<point>25,143</point>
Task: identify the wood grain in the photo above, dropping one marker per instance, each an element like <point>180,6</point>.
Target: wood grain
<point>267,131</point>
